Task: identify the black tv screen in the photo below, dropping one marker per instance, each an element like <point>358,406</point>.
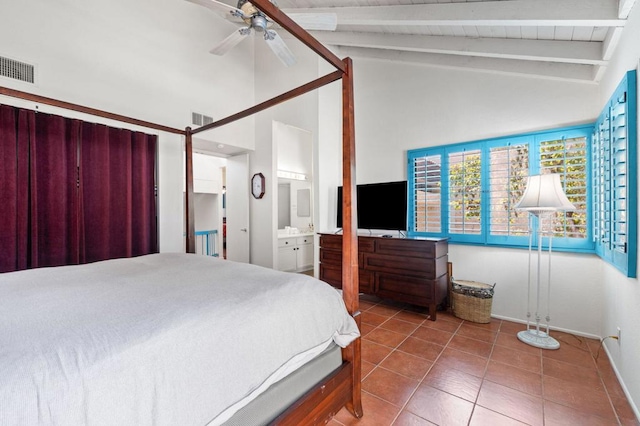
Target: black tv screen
<point>380,206</point>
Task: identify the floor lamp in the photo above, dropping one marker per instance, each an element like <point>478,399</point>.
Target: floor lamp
<point>542,197</point>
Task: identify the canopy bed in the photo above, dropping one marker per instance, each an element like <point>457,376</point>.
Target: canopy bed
<point>140,308</point>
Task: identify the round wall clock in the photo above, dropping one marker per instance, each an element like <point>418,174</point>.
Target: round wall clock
<point>257,185</point>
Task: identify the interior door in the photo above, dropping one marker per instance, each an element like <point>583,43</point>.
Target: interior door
<point>237,199</point>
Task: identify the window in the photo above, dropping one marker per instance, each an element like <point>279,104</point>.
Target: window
<point>567,156</point>
<point>508,172</point>
<point>613,163</point>
<point>427,187</point>
<point>465,192</point>
<point>468,191</point>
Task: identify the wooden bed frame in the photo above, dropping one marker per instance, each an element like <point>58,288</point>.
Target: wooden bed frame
<point>342,388</point>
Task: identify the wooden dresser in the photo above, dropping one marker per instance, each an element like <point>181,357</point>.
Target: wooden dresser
<point>411,270</point>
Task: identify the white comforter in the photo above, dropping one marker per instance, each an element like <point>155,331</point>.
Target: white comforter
<point>164,339</point>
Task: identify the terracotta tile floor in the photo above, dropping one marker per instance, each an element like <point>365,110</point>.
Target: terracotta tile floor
<point>454,372</point>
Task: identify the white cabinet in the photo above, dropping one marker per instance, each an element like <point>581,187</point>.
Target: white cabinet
<point>304,253</point>
<point>295,254</point>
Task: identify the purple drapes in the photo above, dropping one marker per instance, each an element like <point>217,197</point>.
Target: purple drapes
<point>14,186</point>
<point>73,192</point>
<point>118,169</point>
<point>53,193</point>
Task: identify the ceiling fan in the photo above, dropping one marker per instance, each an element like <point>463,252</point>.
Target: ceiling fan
<point>251,18</point>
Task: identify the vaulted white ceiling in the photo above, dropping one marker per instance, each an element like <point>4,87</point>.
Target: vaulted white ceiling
<point>559,39</point>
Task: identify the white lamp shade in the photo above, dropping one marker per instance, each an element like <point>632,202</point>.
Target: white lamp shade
<point>544,193</point>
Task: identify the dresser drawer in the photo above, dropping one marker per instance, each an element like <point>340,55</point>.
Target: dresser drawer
<point>334,258</point>
<point>411,247</point>
<point>334,242</point>
<point>418,291</point>
<point>331,275</point>
<point>366,280</point>
<point>331,257</point>
<point>331,242</point>
<point>414,290</point>
<point>411,266</point>
<point>366,245</point>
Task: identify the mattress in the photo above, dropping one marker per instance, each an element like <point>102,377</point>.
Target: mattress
<point>268,405</point>
<point>161,339</point>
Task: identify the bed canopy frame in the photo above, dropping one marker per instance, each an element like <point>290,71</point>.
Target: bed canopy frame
<point>342,388</point>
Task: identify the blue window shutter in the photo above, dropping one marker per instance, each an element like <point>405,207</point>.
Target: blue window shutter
<point>614,178</point>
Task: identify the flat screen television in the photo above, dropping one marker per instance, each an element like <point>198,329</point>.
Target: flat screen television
<point>380,206</point>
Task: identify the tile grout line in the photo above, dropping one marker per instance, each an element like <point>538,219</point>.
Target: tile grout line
<point>423,377</point>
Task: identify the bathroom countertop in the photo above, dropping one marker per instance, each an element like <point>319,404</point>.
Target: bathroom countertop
<point>298,234</point>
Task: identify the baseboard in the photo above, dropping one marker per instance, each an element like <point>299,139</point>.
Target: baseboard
<point>564,330</point>
<point>632,403</point>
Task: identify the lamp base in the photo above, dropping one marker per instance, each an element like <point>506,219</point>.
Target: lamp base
<point>539,339</point>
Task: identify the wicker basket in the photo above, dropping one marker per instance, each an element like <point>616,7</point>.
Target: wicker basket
<point>472,300</point>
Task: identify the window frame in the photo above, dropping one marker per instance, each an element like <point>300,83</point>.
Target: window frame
<point>485,238</point>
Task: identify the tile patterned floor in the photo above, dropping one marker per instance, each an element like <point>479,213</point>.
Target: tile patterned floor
<point>454,372</point>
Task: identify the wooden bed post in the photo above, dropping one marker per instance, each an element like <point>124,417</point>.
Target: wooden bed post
<point>189,214</point>
<point>350,281</point>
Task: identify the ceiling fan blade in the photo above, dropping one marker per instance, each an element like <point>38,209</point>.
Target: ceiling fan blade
<point>228,12</point>
<point>316,21</point>
<point>277,44</point>
<point>230,42</point>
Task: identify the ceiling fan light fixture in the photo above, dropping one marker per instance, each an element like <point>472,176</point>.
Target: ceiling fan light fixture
<point>249,17</point>
<point>259,22</point>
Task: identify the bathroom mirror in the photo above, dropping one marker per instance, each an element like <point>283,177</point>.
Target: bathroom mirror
<point>304,202</point>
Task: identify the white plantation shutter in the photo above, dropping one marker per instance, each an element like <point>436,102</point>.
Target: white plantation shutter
<point>508,172</point>
<point>427,190</point>
<point>465,192</point>
<point>567,156</point>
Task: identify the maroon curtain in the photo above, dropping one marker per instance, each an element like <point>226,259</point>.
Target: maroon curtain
<point>16,128</point>
<point>54,191</point>
<point>38,199</point>
<point>73,192</point>
<point>118,196</point>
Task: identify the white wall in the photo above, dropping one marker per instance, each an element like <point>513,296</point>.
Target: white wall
<point>621,295</point>
<point>294,153</point>
<point>328,157</point>
<point>401,107</point>
<point>145,59</point>
<point>272,79</point>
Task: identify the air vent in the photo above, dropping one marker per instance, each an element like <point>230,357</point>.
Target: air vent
<point>200,119</point>
<point>16,70</point>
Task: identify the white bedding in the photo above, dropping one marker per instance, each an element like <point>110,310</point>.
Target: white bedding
<point>163,339</point>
